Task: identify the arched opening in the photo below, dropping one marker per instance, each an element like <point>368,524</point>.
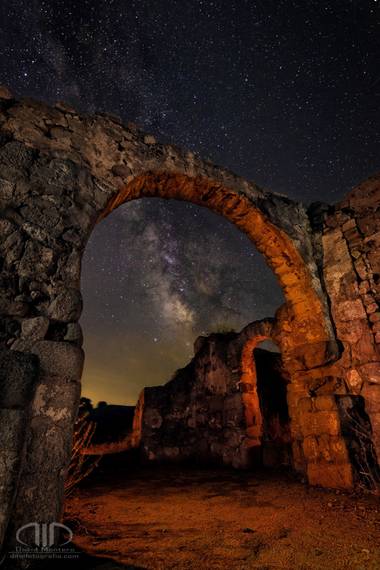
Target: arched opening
<point>272,382</point>
<point>156,275</point>
<point>264,379</point>
<point>58,186</point>
<point>225,284</point>
<point>307,341</point>
<point>303,330</point>
<point>292,270</point>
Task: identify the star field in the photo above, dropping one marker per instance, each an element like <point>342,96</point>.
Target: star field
<point>283,92</point>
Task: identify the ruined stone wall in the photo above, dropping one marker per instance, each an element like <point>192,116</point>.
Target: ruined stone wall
<point>201,414</point>
<point>351,250</point>
<point>346,245</point>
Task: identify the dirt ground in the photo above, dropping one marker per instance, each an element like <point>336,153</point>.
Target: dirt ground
<point>175,518</point>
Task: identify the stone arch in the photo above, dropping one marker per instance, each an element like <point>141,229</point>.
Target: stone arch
<point>80,168</point>
<point>251,336</point>
<point>281,251</point>
<point>60,174</point>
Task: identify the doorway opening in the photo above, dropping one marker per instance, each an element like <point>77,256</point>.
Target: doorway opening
<point>272,382</point>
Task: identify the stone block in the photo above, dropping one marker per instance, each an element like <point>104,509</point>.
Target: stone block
<point>315,354</point>
<point>310,448</point>
<point>330,475</point>
<point>67,306</point>
<point>361,268</point>
<point>48,446</point>
<point>317,423</point>
<point>372,308</point>
<point>152,418</point>
<point>364,287</point>
<point>74,334</point>
<point>370,372</point>
<point>37,260</point>
<point>364,349</point>
<point>325,448</point>
<point>59,359</point>
<point>350,224</point>
<point>367,224</point>
<point>57,401</point>
<point>34,329</point>
<point>350,310</point>
<point>324,403</point>
<point>354,381</point>
<point>40,502</point>
<point>374,317</point>
<point>371,395</point>
<point>22,345</point>
<point>305,405</point>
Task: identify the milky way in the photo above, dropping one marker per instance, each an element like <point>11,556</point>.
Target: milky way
<point>177,271</point>
<point>283,92</point>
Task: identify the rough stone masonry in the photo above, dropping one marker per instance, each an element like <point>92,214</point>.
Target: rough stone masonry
<point>222,408</point>
<point>60,174</point>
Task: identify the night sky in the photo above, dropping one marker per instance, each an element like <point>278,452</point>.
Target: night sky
<point>282,92</point>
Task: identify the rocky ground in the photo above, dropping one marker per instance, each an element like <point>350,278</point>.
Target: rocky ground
<point>175,518</point>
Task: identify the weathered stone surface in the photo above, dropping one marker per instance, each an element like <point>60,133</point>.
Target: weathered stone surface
<point>18,376</point>
<point>354,381</point>
<point>61,173</point>
<point>321,423</point>
<point>36,261</point>
<point>18,373</point>
<point>59,359</point>
<point>67,306</point>
<point>371,394</point>
<point>56,400</point>
<point>370,372</point>
<point>215,401</point>
<point>351,271</point>
<point>325,448</point>
<point>74,334</point>
<point>337,475</point>
<point>34,329</point>
<point>9,470</point>
<point>350,310</point>
<point>12,422</point>
<point>22,345</point>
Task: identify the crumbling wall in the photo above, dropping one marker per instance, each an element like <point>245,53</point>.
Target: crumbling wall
<point>61,173</point>
<point>351,254</point>
<point>201,414</point>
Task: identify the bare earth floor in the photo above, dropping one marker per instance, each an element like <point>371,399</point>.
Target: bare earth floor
<point>173,518</point>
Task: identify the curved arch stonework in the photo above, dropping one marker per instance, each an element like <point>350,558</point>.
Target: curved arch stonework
<point>60,174</point>
<point>103,164</point>
<point>251,336</point>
